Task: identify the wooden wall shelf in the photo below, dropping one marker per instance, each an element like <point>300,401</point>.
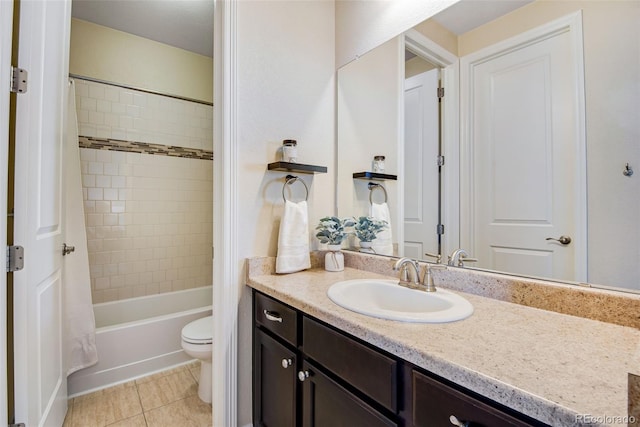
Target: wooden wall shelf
<point>296,167</point>
<point>375,176</point>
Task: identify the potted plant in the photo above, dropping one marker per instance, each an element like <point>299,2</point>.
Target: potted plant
<point>332,231</point>
<point>367,228</point>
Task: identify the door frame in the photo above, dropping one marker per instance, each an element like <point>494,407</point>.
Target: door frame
<point>572,24</point>
<point>450,129</point>
<point>227,263</point>
<point>6,39</point>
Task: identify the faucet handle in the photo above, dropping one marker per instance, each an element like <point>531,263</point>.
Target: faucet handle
<point>438,257</point>
<point>427,279</point>
<point>404,274</point>
<point>464,259</point>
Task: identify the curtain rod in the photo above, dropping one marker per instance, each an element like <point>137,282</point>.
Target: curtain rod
<point>183,98</point>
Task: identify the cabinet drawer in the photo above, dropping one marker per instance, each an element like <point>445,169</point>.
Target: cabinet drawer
<point>276,317</point>
<point>328,404</point>
<point>434,402</point>
<point>369,371</point>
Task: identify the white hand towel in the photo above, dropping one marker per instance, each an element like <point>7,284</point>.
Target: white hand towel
<point>383,243</point>
<point>293,239</point>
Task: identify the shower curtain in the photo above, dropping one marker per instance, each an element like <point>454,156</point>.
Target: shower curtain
<point>80,325</point>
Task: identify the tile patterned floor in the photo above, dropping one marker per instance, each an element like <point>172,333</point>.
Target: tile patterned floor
<point>168,398</point>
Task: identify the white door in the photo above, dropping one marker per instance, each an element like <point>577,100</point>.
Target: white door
<point>421,178</point>
<point>40,382</point>
<point>6,21</point>
<point>525,143</point>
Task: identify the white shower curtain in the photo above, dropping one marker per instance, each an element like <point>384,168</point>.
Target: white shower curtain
<point>80,325</point>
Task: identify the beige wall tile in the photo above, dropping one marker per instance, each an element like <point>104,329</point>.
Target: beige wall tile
<point>154,229</point>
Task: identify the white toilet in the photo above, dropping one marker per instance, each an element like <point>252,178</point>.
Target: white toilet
<point>197,339</point>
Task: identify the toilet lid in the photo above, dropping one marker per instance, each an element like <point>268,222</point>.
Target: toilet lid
<point>199,331</point>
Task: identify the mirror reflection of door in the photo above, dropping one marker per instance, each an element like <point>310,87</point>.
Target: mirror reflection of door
<point>524,115</point>
<point>421,151</point>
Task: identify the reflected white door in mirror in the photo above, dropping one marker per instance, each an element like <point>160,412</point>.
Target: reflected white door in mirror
<point>527,151</point>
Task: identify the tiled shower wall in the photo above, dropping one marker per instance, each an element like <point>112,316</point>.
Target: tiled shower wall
<point>106,111</point>
<point>148,216</point>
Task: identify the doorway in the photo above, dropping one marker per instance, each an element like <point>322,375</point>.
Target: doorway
<point>422,168</point>
<point>430,168</point>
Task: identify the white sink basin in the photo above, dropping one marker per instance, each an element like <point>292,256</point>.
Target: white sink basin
<point>388,300</point>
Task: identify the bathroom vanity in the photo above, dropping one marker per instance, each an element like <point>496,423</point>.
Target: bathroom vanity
<point>310,374</point>
<point>316,363</point>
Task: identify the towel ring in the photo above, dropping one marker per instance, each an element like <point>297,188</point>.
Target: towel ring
<point>290,179</point>
<point>372,186</point>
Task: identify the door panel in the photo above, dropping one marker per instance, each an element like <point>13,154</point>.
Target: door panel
<point>420,164</point>
<point>41,386</point>
<point>327,404</point>
<point>275,385</point>
<point>525,144</point>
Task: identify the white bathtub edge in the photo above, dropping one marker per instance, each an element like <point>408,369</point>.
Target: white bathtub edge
<point>123,374</point>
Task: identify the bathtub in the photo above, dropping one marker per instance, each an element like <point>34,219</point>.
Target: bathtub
<point>138,336</point>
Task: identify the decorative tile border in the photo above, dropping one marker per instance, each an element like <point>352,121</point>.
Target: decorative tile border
<point>143,147</point>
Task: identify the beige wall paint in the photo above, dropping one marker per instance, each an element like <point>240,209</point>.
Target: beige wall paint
<point>415,66</point>
<point>438,34</point>
<point>114,56</point>
<point>286,87</point>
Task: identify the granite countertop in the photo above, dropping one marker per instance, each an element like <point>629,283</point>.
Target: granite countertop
<point>553,367</point>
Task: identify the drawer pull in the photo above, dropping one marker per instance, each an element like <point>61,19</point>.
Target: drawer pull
<point>272,315</point>
<point>286,363</point>
<point>303,375</point>
<point>456,422</point>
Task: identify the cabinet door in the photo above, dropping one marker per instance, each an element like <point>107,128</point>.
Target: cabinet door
<point>274,387</point>
<point>327,404</point>
<point>434,403</point>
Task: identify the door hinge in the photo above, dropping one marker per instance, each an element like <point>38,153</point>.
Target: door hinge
<point>440,160</point>
<point>440,92</point>
<point>15,258</point>
<point>18,80</point>
<point>440,229</point>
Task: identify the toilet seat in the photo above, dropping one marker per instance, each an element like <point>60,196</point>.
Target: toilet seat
<point>199,331</point>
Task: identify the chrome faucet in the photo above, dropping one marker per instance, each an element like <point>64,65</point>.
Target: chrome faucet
<point>459,257</point>
<point>402,265</point>
<point>426,285</point>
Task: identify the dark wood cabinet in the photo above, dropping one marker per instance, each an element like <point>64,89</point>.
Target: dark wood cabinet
<point>325,403</point>
<point>307,373</point>
<point>434,404</point>
<point>275,382</point>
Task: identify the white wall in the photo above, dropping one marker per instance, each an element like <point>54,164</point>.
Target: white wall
<point>363,25</point>
<point>369,102</point>
<point>285,81</point>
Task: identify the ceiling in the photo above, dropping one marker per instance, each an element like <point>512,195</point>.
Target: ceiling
<point>186,24</point>
<point>469,14</point>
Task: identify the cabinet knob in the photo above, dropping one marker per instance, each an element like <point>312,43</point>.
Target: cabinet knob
<point>456,422</point>
<point>303,375</point>
<point>286,363</point>
<point>272,316</point>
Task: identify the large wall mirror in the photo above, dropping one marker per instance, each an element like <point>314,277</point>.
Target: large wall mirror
<point>527,161</point>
